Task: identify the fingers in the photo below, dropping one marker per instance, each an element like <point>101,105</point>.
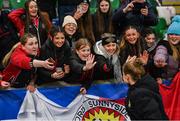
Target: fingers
<point>5,84</point>
<point>131,59</point>
<point>94,64</point>
<point>58,75</point>
<point>31,88</point>
<point>83,90</point>
<point>49,65</point>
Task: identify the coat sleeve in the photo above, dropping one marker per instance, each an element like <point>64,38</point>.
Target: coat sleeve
<point>76,66</point>
<point>20,59</point>
<point>151,19</point>
<point>43,73</point>
<point>15,17</point>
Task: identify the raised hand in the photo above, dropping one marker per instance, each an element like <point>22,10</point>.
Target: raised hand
<point>89,62</point>
<point>131,59</point>
<point>129,7</point>
<point>144,57</point>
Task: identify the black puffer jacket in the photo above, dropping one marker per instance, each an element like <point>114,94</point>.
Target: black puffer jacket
<point>144,101</point>
<point>60,56</point>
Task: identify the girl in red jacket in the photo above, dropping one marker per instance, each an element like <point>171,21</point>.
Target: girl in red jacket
<point>30,20</point>
<point>20,63</point>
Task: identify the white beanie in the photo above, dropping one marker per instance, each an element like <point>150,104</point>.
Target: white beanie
<point>69,19</point>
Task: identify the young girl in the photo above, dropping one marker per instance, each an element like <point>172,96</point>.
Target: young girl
<point>131,44</point>
<point>84,21</point>
<point>107,52</point>
<point>70,30</point>
<point>167,56</point>
<point>20,63</point>
<point>134,12</point>
<point>150,40</point>
<point>143,100</point>
<point>29,20</point>
<point>102,19</point>
<point>82,64</point>
<point>59,51</point>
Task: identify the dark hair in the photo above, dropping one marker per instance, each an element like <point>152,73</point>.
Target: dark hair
<point>108,38</point>
<point>54,30</point>
<point>147,32</point>
<point>27,16</point>
<point>85,26</point>
<point>134,68</point>
<point>100,19</point>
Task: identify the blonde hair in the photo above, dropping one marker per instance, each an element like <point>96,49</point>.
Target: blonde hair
<point>6,58</point>
<point>175,50</point>
<point>134,68</point>
<point>23,41</point>
<point>124,42</point>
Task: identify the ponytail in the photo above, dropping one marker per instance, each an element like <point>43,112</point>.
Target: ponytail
<point>8,55</point>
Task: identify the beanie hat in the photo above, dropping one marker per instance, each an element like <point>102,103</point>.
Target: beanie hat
<point>85,1</point>
<point>108,38</point>
<point>161,53</point>
<point>174,28</point>
<point>69,19</point>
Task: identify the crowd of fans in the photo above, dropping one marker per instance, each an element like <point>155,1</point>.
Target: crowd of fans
<point>85,47</point>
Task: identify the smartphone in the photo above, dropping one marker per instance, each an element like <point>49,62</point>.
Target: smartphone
<point>59,69</point>
<point>80,8</point>
<point>138,6</point>
<point>51,60</point>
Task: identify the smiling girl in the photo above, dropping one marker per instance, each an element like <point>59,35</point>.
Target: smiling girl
<point>131,44</point>
<point>30,20</point>
<point>59,51</point>
<point>82,64</point>
<point>167,56</point>
<point>107,57</point>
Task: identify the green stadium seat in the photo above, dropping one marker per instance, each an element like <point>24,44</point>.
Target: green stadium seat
<point>1,4</point>
<point>160,28</point>
<point>154,4</point>
<point>115,4</point>
<point>93,4</point>
<point>14,4</point>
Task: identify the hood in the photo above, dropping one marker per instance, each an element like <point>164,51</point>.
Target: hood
<point>99,49</point>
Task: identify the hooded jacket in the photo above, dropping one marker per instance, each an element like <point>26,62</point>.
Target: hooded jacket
<point>107,67</point>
